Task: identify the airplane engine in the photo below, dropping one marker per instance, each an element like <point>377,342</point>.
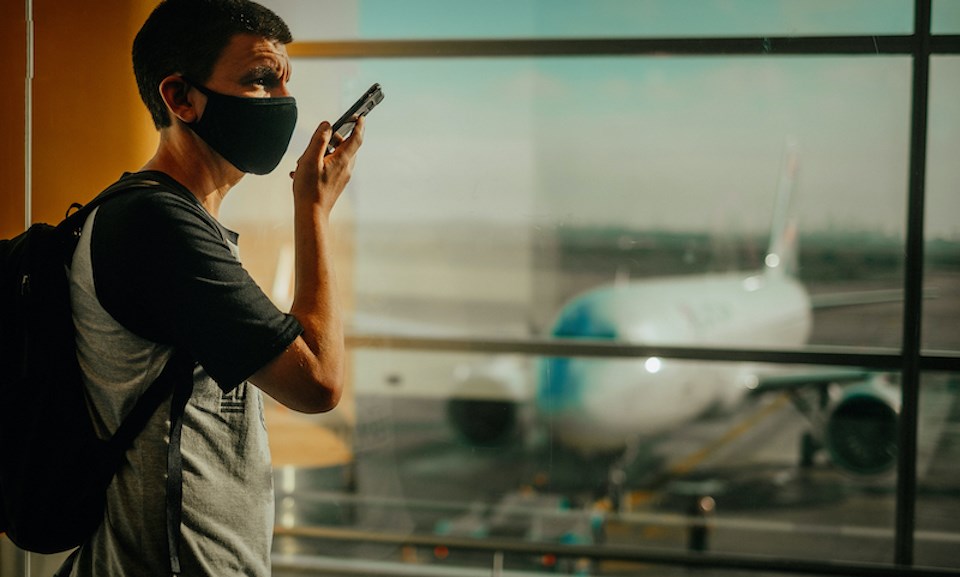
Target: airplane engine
<point>484,422</point>
<point>487,408</point>
<point>860,431</point>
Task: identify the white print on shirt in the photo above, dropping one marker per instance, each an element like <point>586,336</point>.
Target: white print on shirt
<point>234,401</point>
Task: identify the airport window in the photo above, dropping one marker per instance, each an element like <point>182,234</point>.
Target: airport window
<point>532,178</point>
<point>633,287</point>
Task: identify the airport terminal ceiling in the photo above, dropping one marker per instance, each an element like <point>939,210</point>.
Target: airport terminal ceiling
<point>615,304</point>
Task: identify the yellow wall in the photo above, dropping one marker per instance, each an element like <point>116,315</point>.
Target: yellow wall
<point>13,43</point>
<point>88,122</point>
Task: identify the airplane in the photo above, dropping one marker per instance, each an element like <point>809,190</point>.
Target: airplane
<point>603,406</point>
<point>597,406</point>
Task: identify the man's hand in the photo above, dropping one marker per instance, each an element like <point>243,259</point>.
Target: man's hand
<point>319,178</point>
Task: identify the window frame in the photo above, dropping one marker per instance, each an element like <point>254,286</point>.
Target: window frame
<point>910,360</point>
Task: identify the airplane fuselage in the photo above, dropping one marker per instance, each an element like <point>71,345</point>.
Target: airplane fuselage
<point>599,405</point>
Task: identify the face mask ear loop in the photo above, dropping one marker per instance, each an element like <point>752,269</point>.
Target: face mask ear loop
<point>200,87</point>
<point>203,89</point>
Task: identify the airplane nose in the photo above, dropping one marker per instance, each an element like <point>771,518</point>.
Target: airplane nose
<point>559,387</point>
<point>594,404</point>
<point>598,404</point>
<point>561,379</point>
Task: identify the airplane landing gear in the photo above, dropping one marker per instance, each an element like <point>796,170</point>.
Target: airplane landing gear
<point>809,446</point>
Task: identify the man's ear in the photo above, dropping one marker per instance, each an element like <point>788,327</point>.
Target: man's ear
<point>181,101</point>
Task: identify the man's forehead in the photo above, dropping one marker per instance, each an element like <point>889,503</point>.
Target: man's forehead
<point>249,51</point>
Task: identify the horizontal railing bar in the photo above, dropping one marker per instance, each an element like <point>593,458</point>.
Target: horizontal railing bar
<point>618,553</point>
<point>633,517</point>
<point>545,47</point>
<point>342,567</point>
<point>883,359</point>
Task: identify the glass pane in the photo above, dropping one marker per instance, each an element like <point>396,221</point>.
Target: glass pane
<point>432,19</point>
<point>490,193</point>
<point>942,270</point>
<point>945,18</point>
<point>575,451</point>
<point>938,479</point>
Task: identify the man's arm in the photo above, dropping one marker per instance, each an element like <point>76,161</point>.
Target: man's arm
<point>308,375</point>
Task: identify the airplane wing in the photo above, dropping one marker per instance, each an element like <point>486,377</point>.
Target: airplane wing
<point>857,298</point>
<point>799,380</point>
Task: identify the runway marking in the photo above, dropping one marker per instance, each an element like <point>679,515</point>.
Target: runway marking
<point>690,462</point>
<point>685,465</point>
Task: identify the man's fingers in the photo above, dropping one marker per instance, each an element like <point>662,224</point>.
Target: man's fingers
<point>353,142</point>
<point>319,141</point>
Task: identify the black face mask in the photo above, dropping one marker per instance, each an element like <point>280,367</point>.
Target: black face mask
<point>251,133</point>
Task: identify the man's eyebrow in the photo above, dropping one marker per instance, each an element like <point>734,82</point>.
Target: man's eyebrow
<point>261,71</point>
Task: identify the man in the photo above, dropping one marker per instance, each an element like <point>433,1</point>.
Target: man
<point>156,274</point>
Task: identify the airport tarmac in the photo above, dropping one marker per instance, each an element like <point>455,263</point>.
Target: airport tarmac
<point>411,475</point>
<point>421,480</point>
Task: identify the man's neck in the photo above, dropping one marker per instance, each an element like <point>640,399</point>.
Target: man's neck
<point>204,173</point>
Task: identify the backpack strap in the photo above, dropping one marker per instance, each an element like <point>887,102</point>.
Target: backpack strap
<point>133,424</point>
<point>178,405</point>
<point>74,220</point>
<point>175,370</point>
<point>176,376</point>
<point>70,227</point>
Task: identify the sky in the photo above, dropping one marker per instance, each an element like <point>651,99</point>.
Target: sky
<point>680,143</point>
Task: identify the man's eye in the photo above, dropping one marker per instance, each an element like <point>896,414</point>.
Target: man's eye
<point>266,82</point>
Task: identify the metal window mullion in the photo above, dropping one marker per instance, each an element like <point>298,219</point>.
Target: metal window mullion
<point>874,359</point>
<point>574,47</point>
<point>23,558</point>
<point>913,293</point>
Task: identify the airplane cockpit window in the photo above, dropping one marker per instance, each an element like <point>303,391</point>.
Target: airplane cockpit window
<point>585,318</point>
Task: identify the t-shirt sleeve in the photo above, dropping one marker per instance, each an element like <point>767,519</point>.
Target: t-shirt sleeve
<point>163,270</point>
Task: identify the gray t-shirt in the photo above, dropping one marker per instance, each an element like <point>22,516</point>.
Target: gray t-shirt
<point>154,272</point>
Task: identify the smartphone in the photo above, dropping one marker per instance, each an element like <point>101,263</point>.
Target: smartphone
<point>372,97</point>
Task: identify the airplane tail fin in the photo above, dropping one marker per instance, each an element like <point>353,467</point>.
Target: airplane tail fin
<point>781,257</point>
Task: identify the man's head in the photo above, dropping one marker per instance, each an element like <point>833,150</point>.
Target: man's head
<point>187,37</point>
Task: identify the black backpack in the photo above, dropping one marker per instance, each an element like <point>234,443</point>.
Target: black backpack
<point>54,470</point>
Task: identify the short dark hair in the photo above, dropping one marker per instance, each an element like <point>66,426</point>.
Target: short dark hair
<point>188,36</point>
